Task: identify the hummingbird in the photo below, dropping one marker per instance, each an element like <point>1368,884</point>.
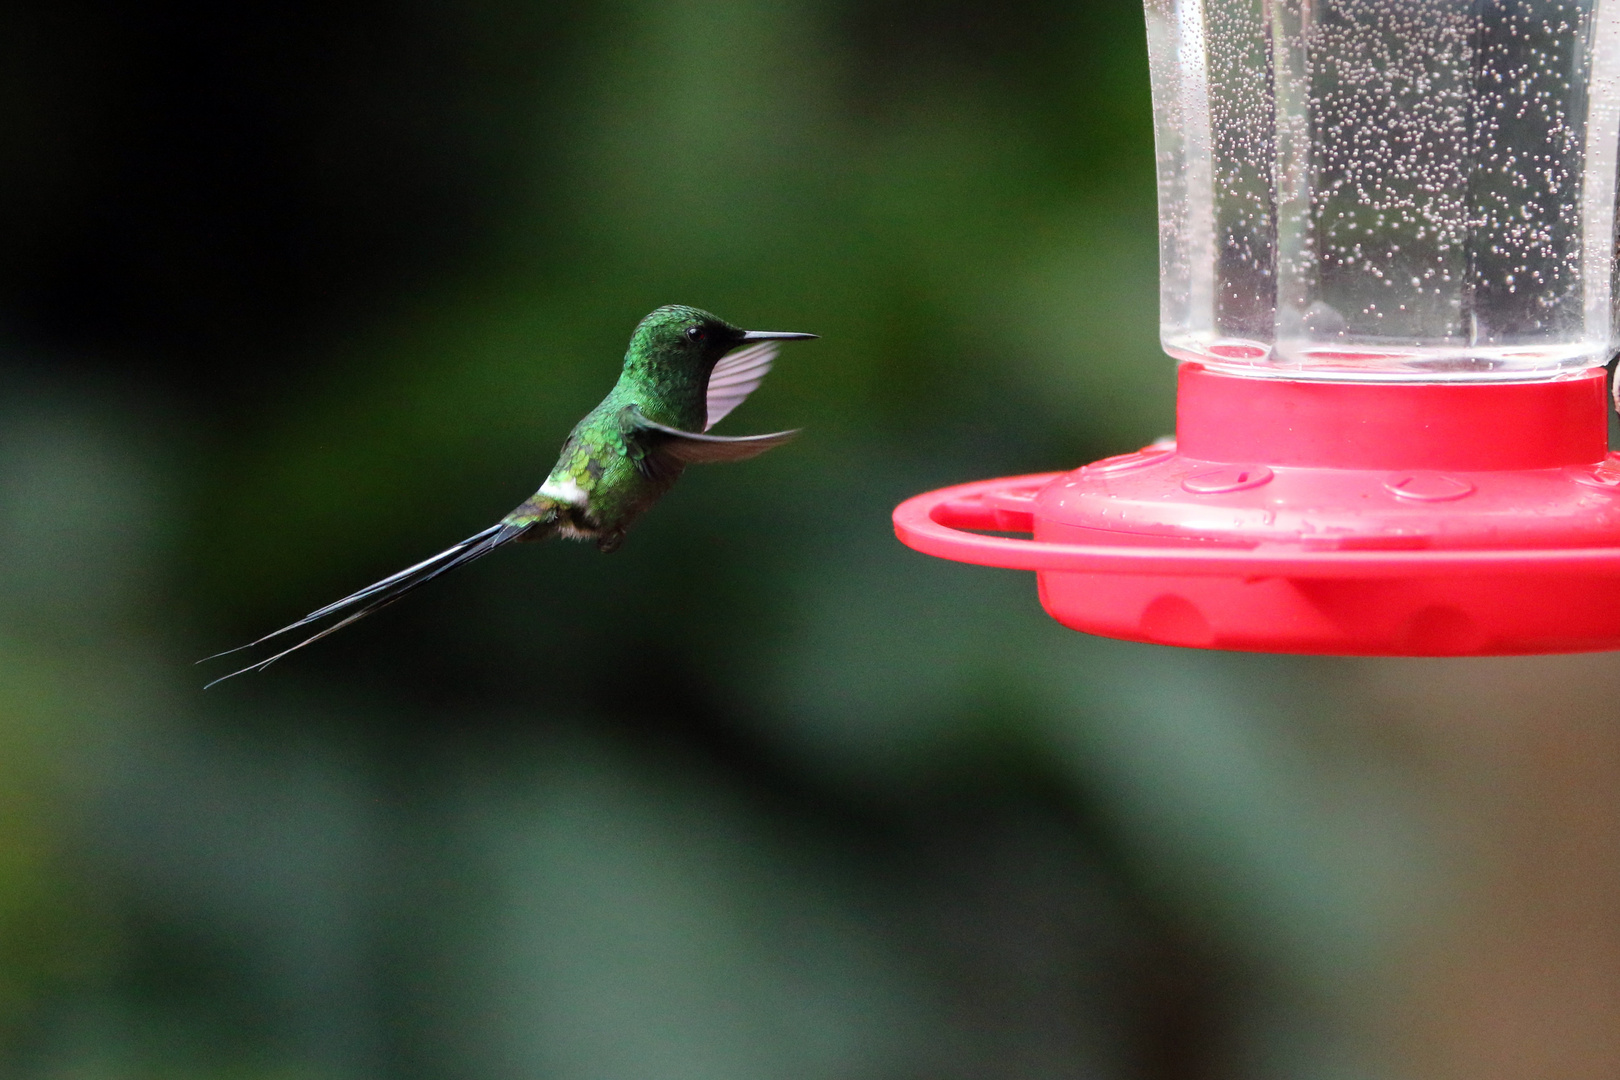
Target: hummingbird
<point>684,371</point>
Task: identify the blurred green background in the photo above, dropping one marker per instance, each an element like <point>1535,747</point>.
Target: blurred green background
<point>292,295</point>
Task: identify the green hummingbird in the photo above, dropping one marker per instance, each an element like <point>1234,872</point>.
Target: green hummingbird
<point>684,371</point>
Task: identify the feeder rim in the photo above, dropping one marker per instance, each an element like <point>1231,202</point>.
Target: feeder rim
<point>938,523</point>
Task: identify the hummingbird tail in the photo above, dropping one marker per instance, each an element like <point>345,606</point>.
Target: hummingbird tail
<point>379,595</point>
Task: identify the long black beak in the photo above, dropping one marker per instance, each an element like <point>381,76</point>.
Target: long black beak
<point>775,335</point>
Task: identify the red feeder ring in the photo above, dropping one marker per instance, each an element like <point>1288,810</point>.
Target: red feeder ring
<point>1375,519</point>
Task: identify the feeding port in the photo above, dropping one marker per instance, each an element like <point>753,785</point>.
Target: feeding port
<point>1387,269</point>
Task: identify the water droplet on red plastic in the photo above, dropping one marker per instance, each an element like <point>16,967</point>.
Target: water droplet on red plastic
<point>1605,474</point>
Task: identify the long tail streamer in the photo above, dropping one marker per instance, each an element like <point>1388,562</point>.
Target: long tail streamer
<point>381,594</point>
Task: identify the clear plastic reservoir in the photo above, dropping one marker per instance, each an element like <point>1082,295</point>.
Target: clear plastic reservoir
<point>1387,189</point>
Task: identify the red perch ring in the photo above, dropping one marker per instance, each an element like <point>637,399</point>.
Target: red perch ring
<point>1374,519</point>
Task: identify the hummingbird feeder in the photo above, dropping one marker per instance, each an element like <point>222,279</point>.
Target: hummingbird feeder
<point>1387,239</point>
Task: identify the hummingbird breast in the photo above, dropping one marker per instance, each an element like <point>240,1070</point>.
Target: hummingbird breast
<point>596,485</point>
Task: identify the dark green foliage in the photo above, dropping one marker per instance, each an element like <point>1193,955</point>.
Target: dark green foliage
<point>294,294</point>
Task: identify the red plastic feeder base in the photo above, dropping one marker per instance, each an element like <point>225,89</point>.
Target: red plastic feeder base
<point>1377,519</point>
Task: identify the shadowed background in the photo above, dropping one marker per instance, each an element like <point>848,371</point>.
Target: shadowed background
<point>294,295</point>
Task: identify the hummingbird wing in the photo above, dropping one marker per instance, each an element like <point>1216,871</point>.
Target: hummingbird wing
<point>655,447</point>
<point>735,377</point>
<point>381,594</point>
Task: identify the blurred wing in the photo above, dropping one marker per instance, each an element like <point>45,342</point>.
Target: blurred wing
<point>735,377</point>
<point>655,447</point>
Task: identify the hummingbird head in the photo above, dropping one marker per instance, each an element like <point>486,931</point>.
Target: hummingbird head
<point>677,337</point>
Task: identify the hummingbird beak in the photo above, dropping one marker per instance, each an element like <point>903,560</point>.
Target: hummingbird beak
<point>775,335</point>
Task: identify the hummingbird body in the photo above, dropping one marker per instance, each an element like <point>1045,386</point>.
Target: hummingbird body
<point>681,376</point>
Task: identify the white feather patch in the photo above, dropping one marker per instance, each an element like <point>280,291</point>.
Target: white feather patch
<point>564,490</point>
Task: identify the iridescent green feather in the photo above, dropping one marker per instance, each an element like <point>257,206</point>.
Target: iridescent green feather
<point>616,463</point>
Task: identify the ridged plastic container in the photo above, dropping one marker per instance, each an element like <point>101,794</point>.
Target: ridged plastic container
<point>1389,189</point>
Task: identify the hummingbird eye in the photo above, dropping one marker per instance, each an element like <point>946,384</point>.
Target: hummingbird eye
<point>695,333</point>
